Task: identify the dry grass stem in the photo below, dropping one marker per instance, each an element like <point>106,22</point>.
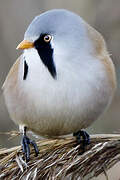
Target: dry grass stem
<point>61,159</point>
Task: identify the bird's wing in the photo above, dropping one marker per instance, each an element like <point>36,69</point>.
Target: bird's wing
<point>12,75</point>
<point>100,51</point>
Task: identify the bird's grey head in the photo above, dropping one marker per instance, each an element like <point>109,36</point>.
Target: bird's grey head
<point>57,32</point>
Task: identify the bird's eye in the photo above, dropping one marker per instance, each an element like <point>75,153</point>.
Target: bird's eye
<point>47,38</point>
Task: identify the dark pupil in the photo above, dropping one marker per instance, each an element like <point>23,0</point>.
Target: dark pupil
<point>47,38</point>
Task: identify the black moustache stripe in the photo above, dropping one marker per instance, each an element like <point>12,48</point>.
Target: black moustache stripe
<point>45,52</point>
<point>47,59</point>
<point>25,70</point>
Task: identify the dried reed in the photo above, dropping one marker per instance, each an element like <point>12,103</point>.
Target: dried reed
<point>61,159</point>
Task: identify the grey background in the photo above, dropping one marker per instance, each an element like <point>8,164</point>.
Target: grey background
<point>15,16</point>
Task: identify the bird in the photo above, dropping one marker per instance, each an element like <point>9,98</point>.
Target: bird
<point>63,81</point>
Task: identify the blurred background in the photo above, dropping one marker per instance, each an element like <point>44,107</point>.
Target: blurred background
<point>15,16</point>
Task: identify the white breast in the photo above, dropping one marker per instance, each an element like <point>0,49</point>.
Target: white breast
<point>64,105</point>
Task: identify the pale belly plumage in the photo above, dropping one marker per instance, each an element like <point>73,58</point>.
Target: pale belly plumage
<point>59,106</point>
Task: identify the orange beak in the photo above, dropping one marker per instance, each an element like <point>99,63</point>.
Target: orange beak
<point>25,45</point>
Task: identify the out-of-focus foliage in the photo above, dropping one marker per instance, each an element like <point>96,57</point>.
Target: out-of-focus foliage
<point>15,16</point>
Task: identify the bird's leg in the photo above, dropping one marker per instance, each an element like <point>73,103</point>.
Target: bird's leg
<point>26,142</point>
<point>82,138</point>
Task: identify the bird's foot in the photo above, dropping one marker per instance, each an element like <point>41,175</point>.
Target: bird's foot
<point>26,142</point>
<point>82,138</point>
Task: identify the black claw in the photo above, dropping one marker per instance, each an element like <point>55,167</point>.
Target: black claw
<point>35,147</point>
<point>82,138</point>
<point>23,145</point>
<point>26,142</point>
<point>27,153</point>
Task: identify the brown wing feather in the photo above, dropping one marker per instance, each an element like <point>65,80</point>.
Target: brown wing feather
<point>12,75</point>
<point>101,52</point>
